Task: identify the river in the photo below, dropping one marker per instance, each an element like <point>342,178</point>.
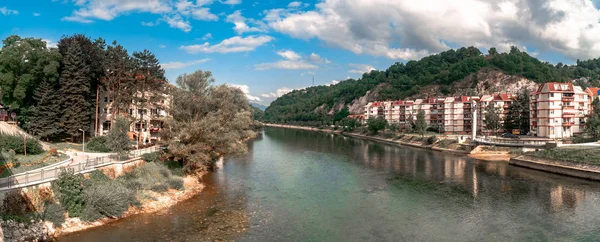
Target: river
<point>298,185</point>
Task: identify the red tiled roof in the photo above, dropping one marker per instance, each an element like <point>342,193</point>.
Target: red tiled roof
<point>503,97</point>
<point>593,91</point>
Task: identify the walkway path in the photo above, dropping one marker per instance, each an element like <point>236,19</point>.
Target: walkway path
<point>80,163</point>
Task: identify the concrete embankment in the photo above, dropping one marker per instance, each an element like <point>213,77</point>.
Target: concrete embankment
<point>400,142</point>
<point>590,172</point>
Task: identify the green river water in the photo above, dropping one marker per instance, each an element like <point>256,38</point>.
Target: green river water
<point>308,186</point>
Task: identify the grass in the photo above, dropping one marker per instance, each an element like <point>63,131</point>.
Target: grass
<point>580,155</point>
<point>27,163</point>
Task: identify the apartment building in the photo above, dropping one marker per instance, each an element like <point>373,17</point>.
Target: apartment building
<point>374,110</point>
<point>558,110</point>
<point>149,119</point>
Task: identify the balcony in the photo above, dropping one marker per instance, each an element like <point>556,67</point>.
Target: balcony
<point>568,106</point>
<point>568,124</point>
<point>568,115</point>
<point>154,130</point>
<point>568,98</point>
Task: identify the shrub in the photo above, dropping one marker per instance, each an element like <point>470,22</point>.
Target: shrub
<point>431,140</point>
<point>106,199</point>
<point>375,125</point>
<point>98,144</point>
<point>151,157</point>
<point>15,143</point>
<point>160,187</point>
<point>69,190</point>
<point>176,183</point>
<point>54,213</point>
<point>15,204</point>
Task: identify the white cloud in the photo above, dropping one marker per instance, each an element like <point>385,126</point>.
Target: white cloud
<point>36,14</point>
<point>408,29</point>
<point>148,24</point>
<point>310,73</point>
<point>317,59</point>
<point>50,43</point>
<point>246,90</point>
<point>278,93</point>
<point>360,69</point>
<point>294,4</point>
<point>333,82</point>
<point>285,64</point>
<point>178,22</point>
<point>5,11</point>
<point>231,45</point>
<point>198,11</point>
<point>241,23</point>
<point>76,19</point>
<point>231,2</point>
<point>207,36</point>
<point>162,46</point>
<point>179,65</point>
<point>288,54</point>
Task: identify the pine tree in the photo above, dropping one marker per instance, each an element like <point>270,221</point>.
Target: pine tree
<point>75,91</point>
<point>45,116</point>
<point>518,113</point>
<point>117,139</point>
<point>150,82</point>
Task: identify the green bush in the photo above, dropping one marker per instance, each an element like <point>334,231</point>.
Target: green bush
<point>176,183</point>
<point>98,144</point>
<point>69,189</point>
<point>431,140</point>
<point>150,176</point>
<point>54,213</point>
<point>15,143</point>
<point>151,157</point>
<point>106,199</point>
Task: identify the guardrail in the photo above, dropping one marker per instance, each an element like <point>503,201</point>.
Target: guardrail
<point>47,174</point>
<point>511,142</point>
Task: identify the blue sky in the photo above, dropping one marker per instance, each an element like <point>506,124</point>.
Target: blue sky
<point>270,47</point>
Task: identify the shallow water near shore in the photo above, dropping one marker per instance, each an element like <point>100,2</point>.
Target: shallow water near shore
<point>304,185</point>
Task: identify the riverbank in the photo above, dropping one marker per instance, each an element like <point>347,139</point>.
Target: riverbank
<point>581,170</point>
<point>39,223</point>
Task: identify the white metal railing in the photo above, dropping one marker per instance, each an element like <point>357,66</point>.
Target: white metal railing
<point>515,142</point>
<point>47,174</point>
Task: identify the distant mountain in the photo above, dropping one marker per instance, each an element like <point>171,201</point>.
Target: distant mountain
<point>259,106</point>
<point>464,71</point>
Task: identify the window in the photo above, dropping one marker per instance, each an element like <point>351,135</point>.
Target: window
<point>551,94</point>
<point>130,111</point>
<point>105,99</point>
<point>551,111</point>
<point>551,104</point>
<point>455,122</point>
<point>551,130</point>
<point>551,121</point>
<point>105,110</point>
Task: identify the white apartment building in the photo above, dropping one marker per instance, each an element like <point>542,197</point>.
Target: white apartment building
<point>558,110</point>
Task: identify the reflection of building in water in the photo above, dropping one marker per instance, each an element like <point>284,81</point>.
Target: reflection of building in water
<point>562,197</point>
<point>455,169</point>
<point>475,183</point>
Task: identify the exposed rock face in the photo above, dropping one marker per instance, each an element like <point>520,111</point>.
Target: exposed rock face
<point>35,231</point>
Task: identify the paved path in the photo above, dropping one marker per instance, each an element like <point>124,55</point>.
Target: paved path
<point>80,162</point>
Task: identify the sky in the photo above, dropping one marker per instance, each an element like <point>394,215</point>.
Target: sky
<point>268,48</point>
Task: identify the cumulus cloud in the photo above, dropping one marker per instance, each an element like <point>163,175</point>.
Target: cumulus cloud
<point>408,29</point>
<point>5,11</point>
<point>246,90</point>
<point>231,2</point>
<point>360,68</point>
<point>50,43</point>
<point>317,59</point>
<point>288,54</point>
<point>291,61</point>
<point>294,4</point>
<point>179,65</point>
<point>234,44</point>
<point>175,13</point>
<point>278,93</point>
<point>178,22</point>
<point>207,36</point>
<point>241,24</point>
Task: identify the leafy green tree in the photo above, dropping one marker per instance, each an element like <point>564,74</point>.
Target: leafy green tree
<point>150,85</point>
<point>69,190</point>
<point>75,91</point>
<point>420,125</point>
<point>208,121</point>
<point>592,124</point>
<point>119,78</point>
<point>46,114</point>
<point>343,113</point>
<point>25,63</point>
<point>376,125</point>
<point>518,113</point>
<point>492,118</point>
<point>117,139</point>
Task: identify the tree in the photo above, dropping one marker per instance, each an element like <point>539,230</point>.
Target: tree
<point>376,125</point>
<point>343,113</point>
<point>75,91</point>
<point>24,64</point>
<point>45,116</point>
<point>119,79</point>
<point>117,139</point>
<point>518,113</point>
<point>208,122</point>
<point>420,126</point>
<point>150,84</point>
<point>592,124</point>
<point>492,118</point>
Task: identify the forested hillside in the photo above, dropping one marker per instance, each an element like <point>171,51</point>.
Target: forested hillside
<point>321,103</point>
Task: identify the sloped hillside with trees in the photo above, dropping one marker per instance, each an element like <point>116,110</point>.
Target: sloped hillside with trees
<point>321,104</point>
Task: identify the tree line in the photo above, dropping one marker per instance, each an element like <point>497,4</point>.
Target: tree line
<point>55,91</point>
<point>314,105</point>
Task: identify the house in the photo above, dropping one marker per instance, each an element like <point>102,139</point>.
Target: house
<point>558,110</point>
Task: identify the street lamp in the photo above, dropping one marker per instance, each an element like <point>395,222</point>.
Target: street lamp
<point>83,141</point>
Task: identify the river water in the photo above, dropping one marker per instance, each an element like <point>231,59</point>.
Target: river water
<point>307,186</point>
